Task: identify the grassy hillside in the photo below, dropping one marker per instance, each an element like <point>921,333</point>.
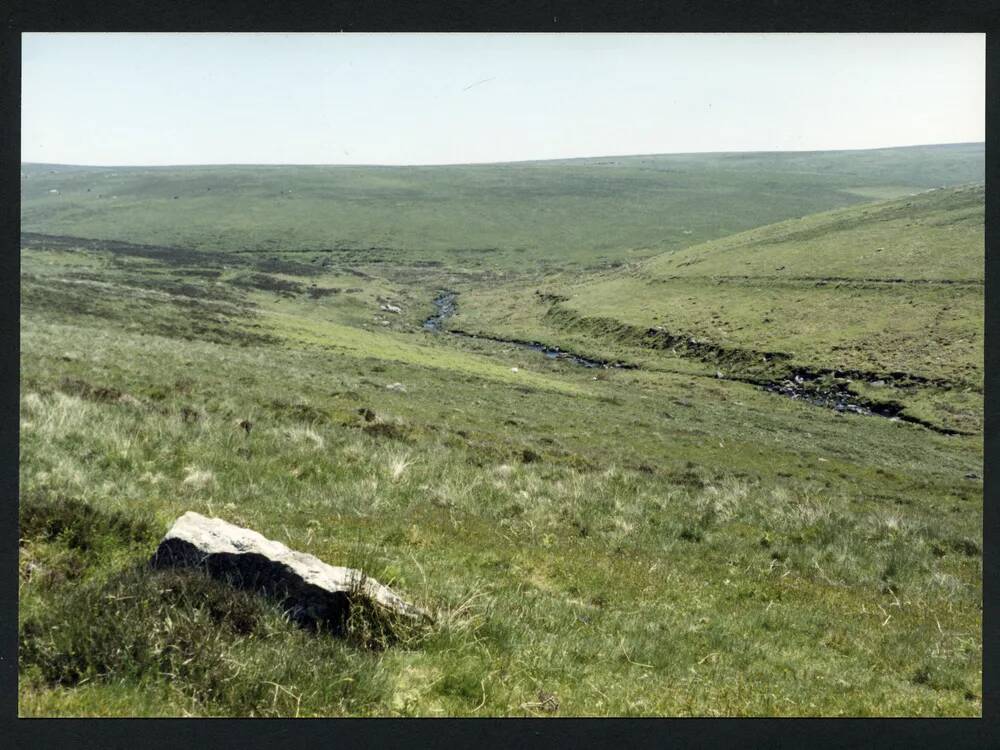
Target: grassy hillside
<point>592,541</point>
<point>884,290</point>
<point>508,216</point>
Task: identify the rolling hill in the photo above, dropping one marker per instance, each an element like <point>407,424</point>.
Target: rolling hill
<point>545,215</point>
<point>725,524</point>
<point>888,292</point>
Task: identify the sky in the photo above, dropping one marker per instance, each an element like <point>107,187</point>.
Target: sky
<point>156,99</point>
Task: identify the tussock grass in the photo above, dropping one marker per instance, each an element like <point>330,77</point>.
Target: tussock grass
<point>223,652</point>
<point>647,542</point>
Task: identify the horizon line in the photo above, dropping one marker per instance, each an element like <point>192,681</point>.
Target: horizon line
<point>501,163</point>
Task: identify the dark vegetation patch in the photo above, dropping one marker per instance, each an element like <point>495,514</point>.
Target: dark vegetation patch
<point>691,534</point>
<point>83,389</point>
<point>64,539</point>
<point>202,273</point>
<point>190,414</point>
<point>185,289</point>
<point>268,283</point>
<point>78,525</point>
<point>174,317</point>
<point>388,430</point>
<point>549,297</point>
<point>940,677</point>
<point>961,545</point>
<point>171,256</point>
<point>168,285</point>
<point>143,623</point>
<point>274,264</point>
<point>299,412</point>
<point>318,292</point>
<point>232,652</point>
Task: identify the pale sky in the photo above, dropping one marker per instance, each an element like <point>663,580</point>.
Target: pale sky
<point>154,99</point>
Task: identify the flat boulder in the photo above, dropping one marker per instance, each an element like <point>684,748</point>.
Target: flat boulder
<point>312,591</point>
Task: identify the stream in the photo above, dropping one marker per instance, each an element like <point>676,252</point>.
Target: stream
<point>446,307</point>
<point>800,385</point>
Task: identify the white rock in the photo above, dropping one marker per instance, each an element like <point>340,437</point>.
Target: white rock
<point>513,369</point>
<point>396,387</point>
<point>310,589</point>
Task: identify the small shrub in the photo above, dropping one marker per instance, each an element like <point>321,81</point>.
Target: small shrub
<point>390,430</point>
<point>300,412</point>
<point>689,534</point>
<point>79,525</point>
<point>139,622</point>
<point>965,546</point>
<point>528,456</point>
<point>101,394</point>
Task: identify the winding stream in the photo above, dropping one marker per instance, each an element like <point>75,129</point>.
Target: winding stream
<point>446,307</point>
<point>799,386</point>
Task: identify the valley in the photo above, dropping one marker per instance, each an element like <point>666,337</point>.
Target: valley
<point>650,435</point>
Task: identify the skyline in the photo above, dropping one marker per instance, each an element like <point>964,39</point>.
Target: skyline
<point>435,99</point>
<point>487,163</point>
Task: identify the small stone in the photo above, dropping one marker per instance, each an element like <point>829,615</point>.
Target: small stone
<point>548,701</point>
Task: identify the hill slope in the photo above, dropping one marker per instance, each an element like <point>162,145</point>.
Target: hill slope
<point>592,541</point>
<point>893,290</point>
<point>545,214</point>
<point>631,542</point>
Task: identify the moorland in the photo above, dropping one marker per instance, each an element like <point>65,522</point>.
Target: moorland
<point>655,435</point>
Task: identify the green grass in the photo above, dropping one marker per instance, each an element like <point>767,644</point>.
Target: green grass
<point>509,216</point>
<point>933,236</point>
<point>893,287</point>
<point>655,541</point>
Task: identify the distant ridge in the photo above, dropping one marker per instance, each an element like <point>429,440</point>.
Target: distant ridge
<point>521,162</point>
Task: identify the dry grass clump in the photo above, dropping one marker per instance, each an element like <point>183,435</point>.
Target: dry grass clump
<point>196,479</point>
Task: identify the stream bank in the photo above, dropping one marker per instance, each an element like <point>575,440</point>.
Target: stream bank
<point>816,388</point>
